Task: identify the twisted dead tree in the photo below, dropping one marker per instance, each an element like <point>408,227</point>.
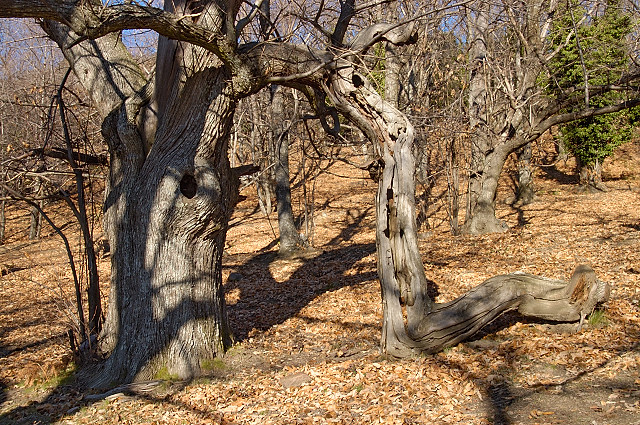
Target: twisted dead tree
<point>428,327</point>
<point>172,190</point>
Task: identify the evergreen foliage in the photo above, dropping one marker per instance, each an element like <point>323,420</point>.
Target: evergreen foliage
<point>598,51</point>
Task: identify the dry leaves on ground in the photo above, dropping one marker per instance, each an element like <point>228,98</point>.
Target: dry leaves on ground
<point>308,328</point>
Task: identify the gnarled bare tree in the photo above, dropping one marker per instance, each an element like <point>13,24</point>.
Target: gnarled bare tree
<point>510,47</point>
<point>172,189</point>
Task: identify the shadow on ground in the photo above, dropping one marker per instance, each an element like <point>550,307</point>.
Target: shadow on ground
<point>565,398</point>
<point>551,172</point>
<point>265,302</point>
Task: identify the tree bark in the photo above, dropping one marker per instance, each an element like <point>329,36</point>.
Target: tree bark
<point>531,296</point>
<point>591,176</point>
<point>483,186</point>
<point>525,192</point>
<point>290,240</point>
<point>3,220</point>
<point>35,225</point>
<point>400,268</point>
<point>166,311</point>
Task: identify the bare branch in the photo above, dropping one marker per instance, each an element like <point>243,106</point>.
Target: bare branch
<point>255,9</point>
<point>347,12</point>
<point>581,114</point>
<point>94,23</point>
<point>397,33</point>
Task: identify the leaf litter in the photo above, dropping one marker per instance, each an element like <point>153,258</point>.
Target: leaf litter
<point>307,329</point>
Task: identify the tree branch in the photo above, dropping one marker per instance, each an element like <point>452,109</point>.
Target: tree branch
<point>347,12</point>
<point>95,22</point>
<point>255,9</point>
<point>77,156</point>
<point>577,115</point>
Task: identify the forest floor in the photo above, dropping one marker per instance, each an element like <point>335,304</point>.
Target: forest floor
<point>308,329</point>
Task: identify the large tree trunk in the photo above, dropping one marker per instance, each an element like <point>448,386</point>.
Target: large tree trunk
<point>483,187</point>
<point>525,192</point>
<point>169,218</point>
<point>529,295</point>
<point>428,327</point>
<point>400,268</point>
<point>170,196</point>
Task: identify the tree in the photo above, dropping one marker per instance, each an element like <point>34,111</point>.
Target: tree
<point>290,240</point>
<point>172,190</point>
<point>509,50</point>
<point>595,55</point>
<point>594,139</point>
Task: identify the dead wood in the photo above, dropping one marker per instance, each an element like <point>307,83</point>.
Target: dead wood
<point>531,296</point>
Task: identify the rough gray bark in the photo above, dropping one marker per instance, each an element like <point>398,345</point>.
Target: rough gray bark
<point>400,268</point>
<point>170,239</point>
<point>167,250</point>
<point>531,296</point>
<point>483,186</point>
